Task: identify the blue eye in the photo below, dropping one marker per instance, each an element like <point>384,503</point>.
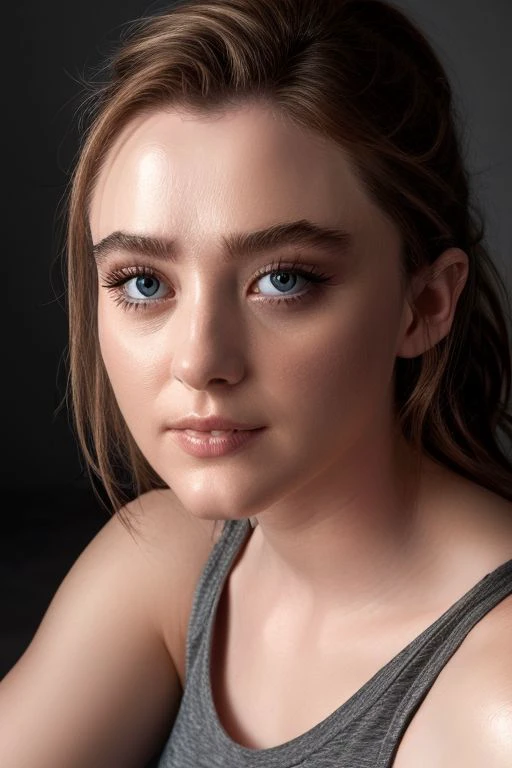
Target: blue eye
<point>137,287</point>
<point>147,285</point>
<point>282,280</point>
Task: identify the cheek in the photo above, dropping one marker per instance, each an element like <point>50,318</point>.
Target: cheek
<point>345,364</point>
<point>130,360</point>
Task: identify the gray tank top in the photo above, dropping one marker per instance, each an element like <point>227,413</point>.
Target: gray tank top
<point>365,731</point>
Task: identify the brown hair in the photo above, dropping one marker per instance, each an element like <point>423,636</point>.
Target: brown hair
<point>360,73</point>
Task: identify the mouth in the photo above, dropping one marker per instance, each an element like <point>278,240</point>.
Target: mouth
<point>216,442</point>
<point>213,432</point>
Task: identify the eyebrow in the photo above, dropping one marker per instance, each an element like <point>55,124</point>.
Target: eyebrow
<point>235,245</point>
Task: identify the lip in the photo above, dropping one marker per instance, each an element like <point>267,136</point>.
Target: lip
<point>205,446</point>
<point>210,423</point>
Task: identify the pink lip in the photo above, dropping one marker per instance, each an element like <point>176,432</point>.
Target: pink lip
<point>206,446</point>
<point>211,422</point>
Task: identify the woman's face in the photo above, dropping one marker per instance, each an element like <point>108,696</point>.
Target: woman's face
<point>203,334</point>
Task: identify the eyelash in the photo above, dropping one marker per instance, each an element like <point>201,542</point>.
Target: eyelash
<point>116,278</point>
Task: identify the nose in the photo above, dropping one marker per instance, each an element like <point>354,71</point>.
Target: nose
<point>208,343</point>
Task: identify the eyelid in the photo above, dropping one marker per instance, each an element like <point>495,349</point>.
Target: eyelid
<point>293,262</point>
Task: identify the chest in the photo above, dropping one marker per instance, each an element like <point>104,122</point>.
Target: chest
<point>273,681</point>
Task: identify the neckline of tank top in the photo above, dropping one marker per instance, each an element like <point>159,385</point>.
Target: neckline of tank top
<point>233,537</point>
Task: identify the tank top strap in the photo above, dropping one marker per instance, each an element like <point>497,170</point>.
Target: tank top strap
<point>209,586</point>
<point>421,662</point>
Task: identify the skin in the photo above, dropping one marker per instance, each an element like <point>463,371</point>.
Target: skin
<point>328,480</point>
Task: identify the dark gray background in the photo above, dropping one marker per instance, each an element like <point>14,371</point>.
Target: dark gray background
<point>49,513</point>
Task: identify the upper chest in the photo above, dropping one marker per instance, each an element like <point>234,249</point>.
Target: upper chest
<point>273,681</point>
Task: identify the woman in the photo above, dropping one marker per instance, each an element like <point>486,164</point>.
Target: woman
<point>270,231</point>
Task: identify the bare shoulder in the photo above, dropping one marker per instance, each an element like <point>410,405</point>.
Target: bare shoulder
<point>471,706</point>
<point>466,718</point>
<point>176,546</point>
<point>474,719</point>
<point>100,682</point>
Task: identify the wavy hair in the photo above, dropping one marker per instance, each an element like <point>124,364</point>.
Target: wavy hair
<point>360,73</point>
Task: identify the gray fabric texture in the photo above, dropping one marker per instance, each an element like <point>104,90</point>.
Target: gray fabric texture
<point>365,731</point>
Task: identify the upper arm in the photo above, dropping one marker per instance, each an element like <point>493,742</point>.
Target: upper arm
<point>97,685</point>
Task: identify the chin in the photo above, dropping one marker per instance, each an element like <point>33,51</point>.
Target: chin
<point>214,513</point>
<point>217,509</point>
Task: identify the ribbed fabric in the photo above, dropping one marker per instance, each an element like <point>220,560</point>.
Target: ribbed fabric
<point>365,731</point>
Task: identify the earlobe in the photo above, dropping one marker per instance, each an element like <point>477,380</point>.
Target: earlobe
<point>431,302</point>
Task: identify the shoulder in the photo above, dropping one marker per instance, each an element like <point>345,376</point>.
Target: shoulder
<point>473,720</point>
<point>466,717</point>
<point>175,547</point>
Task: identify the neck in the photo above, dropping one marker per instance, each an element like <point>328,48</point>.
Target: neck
<point>355,535</point>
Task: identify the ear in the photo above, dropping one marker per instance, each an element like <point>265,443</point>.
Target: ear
<point>430,302</point>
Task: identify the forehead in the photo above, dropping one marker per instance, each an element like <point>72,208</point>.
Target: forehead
<point>171,172</point>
